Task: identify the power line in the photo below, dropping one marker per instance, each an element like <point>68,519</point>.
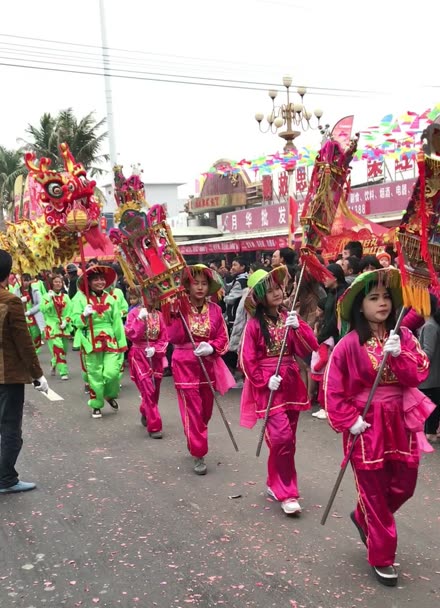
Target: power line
<point>116,58</point>
<point>167,78</point>
<point>208,81</point>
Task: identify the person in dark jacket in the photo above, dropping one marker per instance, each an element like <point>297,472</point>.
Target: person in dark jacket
<point>72,276</point>
<point>19,365</point>
<point>335,288</point>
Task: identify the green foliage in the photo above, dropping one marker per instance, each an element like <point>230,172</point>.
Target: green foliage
<point>11,166</point>
<point>84,137</point>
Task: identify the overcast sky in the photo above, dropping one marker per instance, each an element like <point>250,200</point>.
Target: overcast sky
<point>367,58</point>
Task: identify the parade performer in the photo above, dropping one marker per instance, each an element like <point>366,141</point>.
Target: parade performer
<point>386,455</point>
<point>31,298</point>
<point>55,307</point>
<point>260,350</point>
<point>147,333</point>
<point>100,334</point>
<point>208,329</point>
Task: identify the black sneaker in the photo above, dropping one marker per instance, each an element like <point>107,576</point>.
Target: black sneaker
<point>143,420</point>
<point>156,435</point>
<point>113,403</point>
<point>96,413</point>
<point>387,575</point>
<point>359,528</point>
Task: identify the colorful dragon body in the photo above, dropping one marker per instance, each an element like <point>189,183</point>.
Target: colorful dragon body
<point>418,236</point>
<point>56,207</point>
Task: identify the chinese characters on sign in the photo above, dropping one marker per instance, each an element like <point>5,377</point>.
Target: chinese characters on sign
<point>266,186</point>
<point>271,216</point>
<point>375,169</point>
<point>301,179</point>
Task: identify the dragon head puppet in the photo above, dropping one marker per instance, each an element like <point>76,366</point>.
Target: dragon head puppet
<point>56,210</point>
<point>65,196</point>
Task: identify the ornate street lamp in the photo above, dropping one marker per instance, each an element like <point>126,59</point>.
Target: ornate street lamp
<point>289,116</point>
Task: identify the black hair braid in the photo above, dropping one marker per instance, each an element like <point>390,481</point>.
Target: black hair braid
<point>259,315</point>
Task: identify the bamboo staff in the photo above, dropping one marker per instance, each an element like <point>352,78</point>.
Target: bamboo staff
<point>280,358</point>
<point>150,359</point>
<point>364,413</point>
<point>86,284</point>
<point>205,372</point>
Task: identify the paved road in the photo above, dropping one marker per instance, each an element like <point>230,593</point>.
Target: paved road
<point>120,520</point>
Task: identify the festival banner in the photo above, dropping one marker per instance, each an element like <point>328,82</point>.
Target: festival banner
<point>342,130</point>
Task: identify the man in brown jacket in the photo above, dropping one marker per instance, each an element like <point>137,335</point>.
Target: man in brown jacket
<point>19,365</point>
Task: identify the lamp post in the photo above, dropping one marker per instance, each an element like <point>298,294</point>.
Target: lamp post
<point>290,116</point>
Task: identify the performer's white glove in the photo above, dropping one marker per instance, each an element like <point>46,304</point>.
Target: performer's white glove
<point>24,299</point>
<point>150,350</point>
<point>292,320</point>
<point>88,310</point>
<point>359,426</point>
<point>27,313</point>
<point>51,293</point>
<point>392,345</point>
<point>41,384</point>
<point>203,350</point>
<point>63,325</point>
<point>274,383</point>
<point>143,314</point>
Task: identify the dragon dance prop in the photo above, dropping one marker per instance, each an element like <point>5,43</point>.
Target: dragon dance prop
<point>129,192</point>
<point>418,236</point>
<point>150,259</point>
<point>58,206</point>
<point>328,189</point>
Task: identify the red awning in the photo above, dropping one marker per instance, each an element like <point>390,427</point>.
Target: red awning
<point>238,246</point>
<point>107,255</point>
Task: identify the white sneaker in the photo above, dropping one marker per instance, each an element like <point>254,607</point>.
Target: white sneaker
<point>64,377</point>
<point>320,414</point>
<point>291,506</point>
<point>270,493</point>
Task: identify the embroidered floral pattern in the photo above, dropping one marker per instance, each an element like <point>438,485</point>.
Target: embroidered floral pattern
<point>153,326</point>
<point>199,322</point>
<point>277,332</point>
<point>374,348</point>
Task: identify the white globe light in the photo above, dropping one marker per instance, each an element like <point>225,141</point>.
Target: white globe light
<point>278,122</point>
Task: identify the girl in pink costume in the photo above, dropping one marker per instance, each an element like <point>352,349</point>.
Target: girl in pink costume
<point>386,455</point>
<point>208,329</point>
<point>260,350</point>
<point>147,333</point>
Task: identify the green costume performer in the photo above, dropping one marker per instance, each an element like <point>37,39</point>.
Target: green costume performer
<point>31,298</point>
<point>122,303</point>
<point>56,308</point>
<point>100,335</point>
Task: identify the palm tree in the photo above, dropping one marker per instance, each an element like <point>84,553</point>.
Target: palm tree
<point>11,166</point>
<point>83,137</point>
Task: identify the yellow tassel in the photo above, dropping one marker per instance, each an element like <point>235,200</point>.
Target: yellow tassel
<point>346,210</point>
<point>126,270</point>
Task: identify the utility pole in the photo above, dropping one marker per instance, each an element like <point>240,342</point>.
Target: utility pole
<point>108,96</point>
